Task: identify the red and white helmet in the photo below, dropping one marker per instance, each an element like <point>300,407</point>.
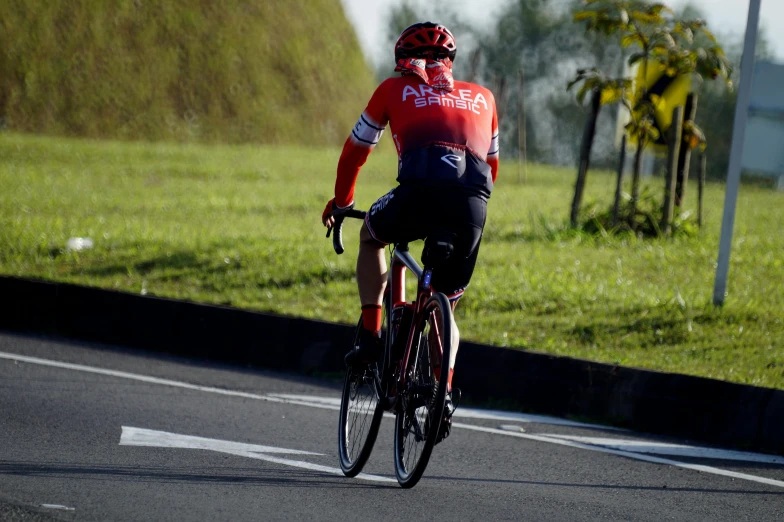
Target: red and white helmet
<point>425,38</point>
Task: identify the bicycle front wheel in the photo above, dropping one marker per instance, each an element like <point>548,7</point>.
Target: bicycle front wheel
<point>421,404</point>
<point>360,415</point>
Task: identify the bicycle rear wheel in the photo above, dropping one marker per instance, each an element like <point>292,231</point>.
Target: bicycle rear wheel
<point>360,415</point>
<point>421,404</point>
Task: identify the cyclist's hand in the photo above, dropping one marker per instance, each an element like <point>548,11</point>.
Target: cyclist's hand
<point>326,216</point>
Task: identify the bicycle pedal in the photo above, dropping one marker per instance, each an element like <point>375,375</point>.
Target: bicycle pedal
<point>454,400</point>
<point>444,429</point>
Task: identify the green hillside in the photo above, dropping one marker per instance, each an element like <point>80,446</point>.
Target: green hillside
<point>229,70</point>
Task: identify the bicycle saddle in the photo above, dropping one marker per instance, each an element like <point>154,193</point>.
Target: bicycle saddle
<point>439,247</point>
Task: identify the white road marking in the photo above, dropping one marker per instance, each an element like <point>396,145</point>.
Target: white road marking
<point>334,404</point>
<point>57,506</point>
<point>679,450</point>
<point>141,378</point>
<point>628,454</point>
<point>461,413</point>
<point>162,439</point>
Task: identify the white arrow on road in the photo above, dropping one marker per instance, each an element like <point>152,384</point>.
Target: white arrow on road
<point>162,439</point>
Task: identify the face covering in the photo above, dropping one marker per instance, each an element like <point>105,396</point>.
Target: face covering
<point>435,73</point>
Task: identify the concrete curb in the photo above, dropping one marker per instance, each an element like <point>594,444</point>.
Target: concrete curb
<point>708,410</point>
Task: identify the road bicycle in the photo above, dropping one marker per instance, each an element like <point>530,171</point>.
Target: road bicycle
<point>410,380</point>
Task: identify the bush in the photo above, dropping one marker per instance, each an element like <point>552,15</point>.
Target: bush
<point>642,219</point>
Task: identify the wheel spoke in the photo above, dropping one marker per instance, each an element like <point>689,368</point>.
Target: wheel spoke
<point>422,401</point>
<point>360,418</point>
<point>360,413</point>
<point>418,399</point>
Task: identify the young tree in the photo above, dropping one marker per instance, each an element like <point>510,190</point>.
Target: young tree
<point>662,41</point>
<point>642,25</point>
<point>603,91</point>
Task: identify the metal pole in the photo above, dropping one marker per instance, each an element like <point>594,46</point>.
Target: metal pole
<point>701,187</point>
<point>736,152</point>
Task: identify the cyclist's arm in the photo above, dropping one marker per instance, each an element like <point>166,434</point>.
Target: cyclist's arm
<point>492,153</point>
<point>360,143</point>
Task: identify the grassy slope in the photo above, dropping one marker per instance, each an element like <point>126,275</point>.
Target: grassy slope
<point>240,226</point>
<point>230,71</point>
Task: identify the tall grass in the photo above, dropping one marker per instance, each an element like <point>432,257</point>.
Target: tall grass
<point>188,70</point>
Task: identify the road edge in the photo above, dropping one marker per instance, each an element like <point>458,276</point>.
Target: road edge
<point>707,410</point>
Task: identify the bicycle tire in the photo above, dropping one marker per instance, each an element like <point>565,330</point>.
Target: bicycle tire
<point>360,419</point>
<point>421,409</point>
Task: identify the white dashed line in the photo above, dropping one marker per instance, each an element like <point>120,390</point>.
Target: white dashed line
<point>628,454</point>
<point>57,506</point>
<point>673,450</point>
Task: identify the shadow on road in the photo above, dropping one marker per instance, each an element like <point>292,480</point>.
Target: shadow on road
<point>609,486</point>
<point>212,475</point>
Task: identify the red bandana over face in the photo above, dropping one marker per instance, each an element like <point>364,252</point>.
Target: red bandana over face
<point>436,73</point>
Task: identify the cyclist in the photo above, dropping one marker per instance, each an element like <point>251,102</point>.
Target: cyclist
<point>446,135</point>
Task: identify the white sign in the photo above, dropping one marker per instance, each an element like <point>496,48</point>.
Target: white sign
<point>763,153</point>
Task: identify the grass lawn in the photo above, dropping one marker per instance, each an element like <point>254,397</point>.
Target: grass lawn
<point>240,226</point>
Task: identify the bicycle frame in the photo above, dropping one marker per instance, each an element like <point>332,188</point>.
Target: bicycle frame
<point>396,293</point>
<point>396,284</point>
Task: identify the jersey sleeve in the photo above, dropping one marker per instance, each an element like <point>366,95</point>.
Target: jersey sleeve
<point>492,153</point>
<point>363,138</point>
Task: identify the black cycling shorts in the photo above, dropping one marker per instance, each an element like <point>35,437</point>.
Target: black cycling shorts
<point>413,211</point>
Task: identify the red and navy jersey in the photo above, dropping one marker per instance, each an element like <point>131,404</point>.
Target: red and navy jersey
<point>418,116</point>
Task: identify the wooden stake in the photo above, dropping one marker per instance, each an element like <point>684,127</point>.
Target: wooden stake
<point>684,158</point>
<point>636,174</point>
<point>619,183</point>
<point>522,148</point>
<point>675,137</point>
<point>701,186</point>
<point>589,132</point>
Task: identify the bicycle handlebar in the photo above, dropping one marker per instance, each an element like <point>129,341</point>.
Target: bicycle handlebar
<point>340,215</point>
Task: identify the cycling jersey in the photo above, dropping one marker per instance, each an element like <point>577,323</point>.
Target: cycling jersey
<point>464,120</point>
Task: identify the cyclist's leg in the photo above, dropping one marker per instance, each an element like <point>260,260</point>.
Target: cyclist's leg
<point>371,276</point>
<point>371,280</point>
<point>371,263</point>
<point>385,223</point>
<point>464,215</point>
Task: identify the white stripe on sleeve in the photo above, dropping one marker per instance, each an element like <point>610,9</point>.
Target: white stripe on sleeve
<point>493,145</point>
<point>367,132</point>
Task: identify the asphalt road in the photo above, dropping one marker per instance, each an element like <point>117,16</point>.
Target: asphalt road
<point>93,432</point>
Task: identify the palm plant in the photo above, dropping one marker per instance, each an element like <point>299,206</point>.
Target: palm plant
<point>679,47</point>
